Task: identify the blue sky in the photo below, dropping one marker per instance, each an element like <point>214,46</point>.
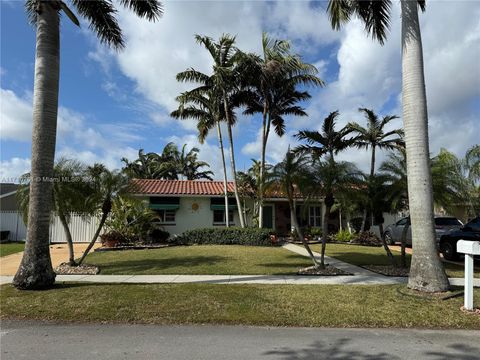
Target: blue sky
<point>112,104</point>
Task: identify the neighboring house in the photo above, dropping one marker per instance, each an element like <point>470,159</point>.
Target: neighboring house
<point>185,204</point>
<point>8,197</point>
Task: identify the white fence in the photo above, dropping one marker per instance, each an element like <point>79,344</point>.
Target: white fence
<point>81,227</point>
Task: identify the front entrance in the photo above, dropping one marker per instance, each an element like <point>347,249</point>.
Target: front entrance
<point>268,216</point>
<point>283,221</point>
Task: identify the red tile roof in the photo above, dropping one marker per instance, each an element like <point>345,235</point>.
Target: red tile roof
<point>178,187</point>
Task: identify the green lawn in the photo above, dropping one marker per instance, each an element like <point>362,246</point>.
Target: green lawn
<point>266,305</point>
<point>200,260</point>
<point>10,248</point>
<point>367,255</point>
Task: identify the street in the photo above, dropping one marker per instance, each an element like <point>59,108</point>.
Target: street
<point>35,340</point>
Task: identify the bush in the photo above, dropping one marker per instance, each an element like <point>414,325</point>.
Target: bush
<point>366,238</point>
<point>225,236</point>
<point>158,236</point>
<point>343,236</point>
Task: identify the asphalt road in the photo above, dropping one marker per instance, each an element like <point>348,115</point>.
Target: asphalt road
<point>26,340</point>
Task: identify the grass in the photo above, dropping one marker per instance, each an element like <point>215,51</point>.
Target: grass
<point>367,255</point>
<point>264,305</point>
<point>11,248</point>
<point>200,260</point>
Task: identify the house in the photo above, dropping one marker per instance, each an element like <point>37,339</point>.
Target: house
<point>8,197</point>
<point>189,204</point>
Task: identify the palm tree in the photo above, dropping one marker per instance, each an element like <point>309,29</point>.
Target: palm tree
<point>107,186</point>
<point>327,142</point>
<point>35,271</point>
<point>190,167</point>
<point>374,137</point>
<point>69,192</point>
<point>272,80</point>
<point>146,166</point>
<point>292,176</point>
<point>204,106</point>
<point>426,271</point>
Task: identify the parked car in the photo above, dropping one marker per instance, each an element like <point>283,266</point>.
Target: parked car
<point>448,242</point>
<point>443,224</point>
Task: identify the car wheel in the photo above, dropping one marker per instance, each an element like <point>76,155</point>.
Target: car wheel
<point>389,239</point>
<point>448,250</point>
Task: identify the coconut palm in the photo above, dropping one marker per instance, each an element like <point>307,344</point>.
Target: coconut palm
<point>190,167</point>
<point>69,192</point>
<point>426,271</point>
<point>35,271</point>
<point>272,80</point>
<point>293,177</point>
<point>107,186</point>
<point>374,137</point>
<point>204,106</point>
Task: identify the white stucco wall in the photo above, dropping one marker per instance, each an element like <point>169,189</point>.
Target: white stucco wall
<point>186,218</point>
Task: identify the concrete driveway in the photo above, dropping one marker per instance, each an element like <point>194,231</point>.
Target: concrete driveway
<point>58,252</point>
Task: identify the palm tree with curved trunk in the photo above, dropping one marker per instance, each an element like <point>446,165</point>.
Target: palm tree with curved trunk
<point>35,271</point>
<point>272,81</point>
<point>426,272</point>
<point>374,137</point>
<point>69,192</point>
<point>326,143</point>
<point>293,177</point>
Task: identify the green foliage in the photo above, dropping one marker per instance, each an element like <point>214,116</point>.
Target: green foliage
<point>344,236</point>
<point>130,221</point>
<point>225,236</point>
<point>366,238</point>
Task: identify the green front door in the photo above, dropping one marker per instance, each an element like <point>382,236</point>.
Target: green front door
<point>268,216</point>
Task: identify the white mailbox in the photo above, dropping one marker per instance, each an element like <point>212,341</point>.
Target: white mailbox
<point>469,248</point>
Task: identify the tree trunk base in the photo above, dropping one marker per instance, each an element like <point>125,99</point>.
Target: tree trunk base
<point>34,277</point>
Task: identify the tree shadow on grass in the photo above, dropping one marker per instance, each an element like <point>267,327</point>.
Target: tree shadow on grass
<point>332,351</point>
<point>132,267</point>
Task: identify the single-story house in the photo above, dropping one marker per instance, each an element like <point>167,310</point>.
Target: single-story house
<point>8,197</point>
<point>189,204</point>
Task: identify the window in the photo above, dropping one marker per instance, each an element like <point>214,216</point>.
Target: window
<point>447,222</point>
<point>219,216</point>
<point>403,222</point>
<point>315,216</point>
<point>166,216</point>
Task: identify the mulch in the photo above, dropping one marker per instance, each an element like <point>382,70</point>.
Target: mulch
<point>328,271</point>
<point>388,270</point>
<point>84,269</point>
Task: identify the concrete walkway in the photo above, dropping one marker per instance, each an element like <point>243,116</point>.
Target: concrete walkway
<point>58,253</point>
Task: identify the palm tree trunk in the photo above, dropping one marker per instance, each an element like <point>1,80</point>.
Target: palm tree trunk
<point>403,245</point>
<point>225,180</point>
<point>325,222</point>
<point>35,271</point>
<point>94,238</point>
<point>262,167</point>
<point>426,271</point>
<point>299,231</point>
<point>68,235</point>
<point>234,171</point>
<point>385,246</point>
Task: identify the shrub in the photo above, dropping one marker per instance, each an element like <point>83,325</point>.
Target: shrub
<point>225,236</point>
<point>367,238</point>
<point>158,236</point>
<point>343,236</point>
<point>316,231</point>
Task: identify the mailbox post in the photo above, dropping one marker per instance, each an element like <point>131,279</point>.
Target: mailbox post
<point>469,248</point>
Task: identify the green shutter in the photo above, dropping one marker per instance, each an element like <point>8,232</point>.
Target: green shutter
<point>164,206</point>
<point>222,207</point>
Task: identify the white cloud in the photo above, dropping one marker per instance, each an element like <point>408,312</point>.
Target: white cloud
<point>15,116</point>
<point>12,169</point>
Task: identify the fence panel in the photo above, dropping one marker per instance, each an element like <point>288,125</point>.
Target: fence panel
<point>81,227</point>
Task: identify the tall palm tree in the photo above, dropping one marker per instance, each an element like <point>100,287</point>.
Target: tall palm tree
<point>225,84</point>
<point>190,167</point>
<point>293,177</point>
<point>107,186</point>
<point>426,271</point>
<point>272,79</point>
<point>326,143</point>
<point>374,137</point>
<point>35,271</point>
<point>204,106</point>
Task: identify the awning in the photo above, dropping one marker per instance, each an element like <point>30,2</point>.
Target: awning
<point>164,206</point>
<point>222,207</point>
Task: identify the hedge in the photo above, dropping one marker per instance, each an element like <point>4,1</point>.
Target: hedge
<point>225,236</point>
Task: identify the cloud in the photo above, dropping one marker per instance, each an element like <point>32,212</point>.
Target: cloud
<point>12,169</point>
<point>16,116</point>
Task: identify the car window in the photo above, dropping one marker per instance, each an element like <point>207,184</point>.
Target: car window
<point>474,224</point>
<point>402,222</point>
<point>447,222</point>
